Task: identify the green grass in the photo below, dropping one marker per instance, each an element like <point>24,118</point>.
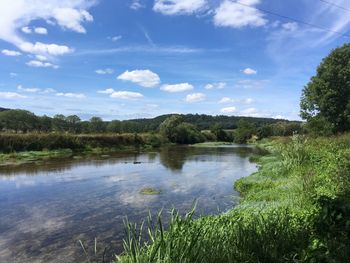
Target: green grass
<point>296,208</point>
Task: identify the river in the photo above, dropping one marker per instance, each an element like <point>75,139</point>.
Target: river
<point>47,207</point>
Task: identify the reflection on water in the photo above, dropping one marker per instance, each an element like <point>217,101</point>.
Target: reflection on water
<point>47,207</point>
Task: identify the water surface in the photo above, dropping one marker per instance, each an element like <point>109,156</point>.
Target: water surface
<point>45,208</point>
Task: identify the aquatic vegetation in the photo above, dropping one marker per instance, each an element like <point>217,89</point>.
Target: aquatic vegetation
<point>150,191</point>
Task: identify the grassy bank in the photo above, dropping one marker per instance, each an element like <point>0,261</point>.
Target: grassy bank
<point>294,209</point>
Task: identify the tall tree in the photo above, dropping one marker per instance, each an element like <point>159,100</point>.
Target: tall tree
<point>325,101</point>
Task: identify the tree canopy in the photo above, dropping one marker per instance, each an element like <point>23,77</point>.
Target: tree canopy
<point>325,101</point>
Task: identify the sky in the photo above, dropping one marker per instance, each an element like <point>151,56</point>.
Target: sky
<point>123,59</point>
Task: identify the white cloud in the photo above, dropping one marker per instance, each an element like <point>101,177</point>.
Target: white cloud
<point>26,30</point>
<point>179,7</point>
<point>11,53</point>
<point>30,90</point>
<point>72,18</point>
<point>40,64</point>
<point>144,78</point>
<point>238,14</point>
<point>18,14</point>
<point>13,74</point>
<point>279,117</point>
<point>106,91</point>
<point>291,26</point>
<point>48,90</point>
<point>219,85</point>
<point>71,95</point>
<point>43,49</point>
<point>104,71</point>
<point>227,100</point>
<point>136,5</point>
<point>41,57</point>
<point>40,30</point>
<point>11,95</point>
<point>126,95</point>
<point>251,84</point>
<point>195,97</point>
<point>116,38</point>
<point>249,100</point>
<point>249,71</point>
<point>228,110</point>
<point>177,87</point>
<point>250,112</point>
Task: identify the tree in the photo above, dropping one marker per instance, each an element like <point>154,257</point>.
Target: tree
<point>244,132</point>
<point>178,131</point>
<point>96,125</point>
<point>19,120</point>
<point>73,122</point>
<point>167,127</point>
<point>325,101</point>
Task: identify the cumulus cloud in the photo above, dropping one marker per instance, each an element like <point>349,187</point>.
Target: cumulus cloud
<point>71,95</point>
<point>179,7</point>
<point>219,85</point>
<point>106,91</point>
<point>144,78</point>
<point>40,30</point>
<point>226,100</point>
<point>41,57</point>
<point>37,30</point>
<point>177,87</point>
<point>40,64</point>
<point>238,14</point>
<point>249,71</point>
<point>10,53</point>
<point>104,71</point>
<point>44,49</point>
<point>228,110</point>
<point>18,14</point>
<point>195,97</point>
<point>26,30</point>
<point>11,95</point>
<point>126,95</point>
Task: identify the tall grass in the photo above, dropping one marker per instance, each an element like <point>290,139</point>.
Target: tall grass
<point>294,209</point>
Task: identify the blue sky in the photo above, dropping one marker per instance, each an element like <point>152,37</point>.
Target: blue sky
<point>122,59</point>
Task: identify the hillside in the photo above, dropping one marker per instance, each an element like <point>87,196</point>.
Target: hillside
<point>204,122</point>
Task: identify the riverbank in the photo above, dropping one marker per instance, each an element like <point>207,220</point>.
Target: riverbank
<point>294,209</point>
<point>23,148</point>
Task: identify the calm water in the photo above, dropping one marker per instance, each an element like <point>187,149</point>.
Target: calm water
<point>46,208</point>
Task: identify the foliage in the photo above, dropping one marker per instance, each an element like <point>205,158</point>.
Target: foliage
<point>325,100</point>
<point>178,131</point>
<point>24,121</point>
<point>51,141</point>
<point>244,132</point>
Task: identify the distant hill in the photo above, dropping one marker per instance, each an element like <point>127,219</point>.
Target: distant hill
<point>3,109</point>
<point>204,122</point>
